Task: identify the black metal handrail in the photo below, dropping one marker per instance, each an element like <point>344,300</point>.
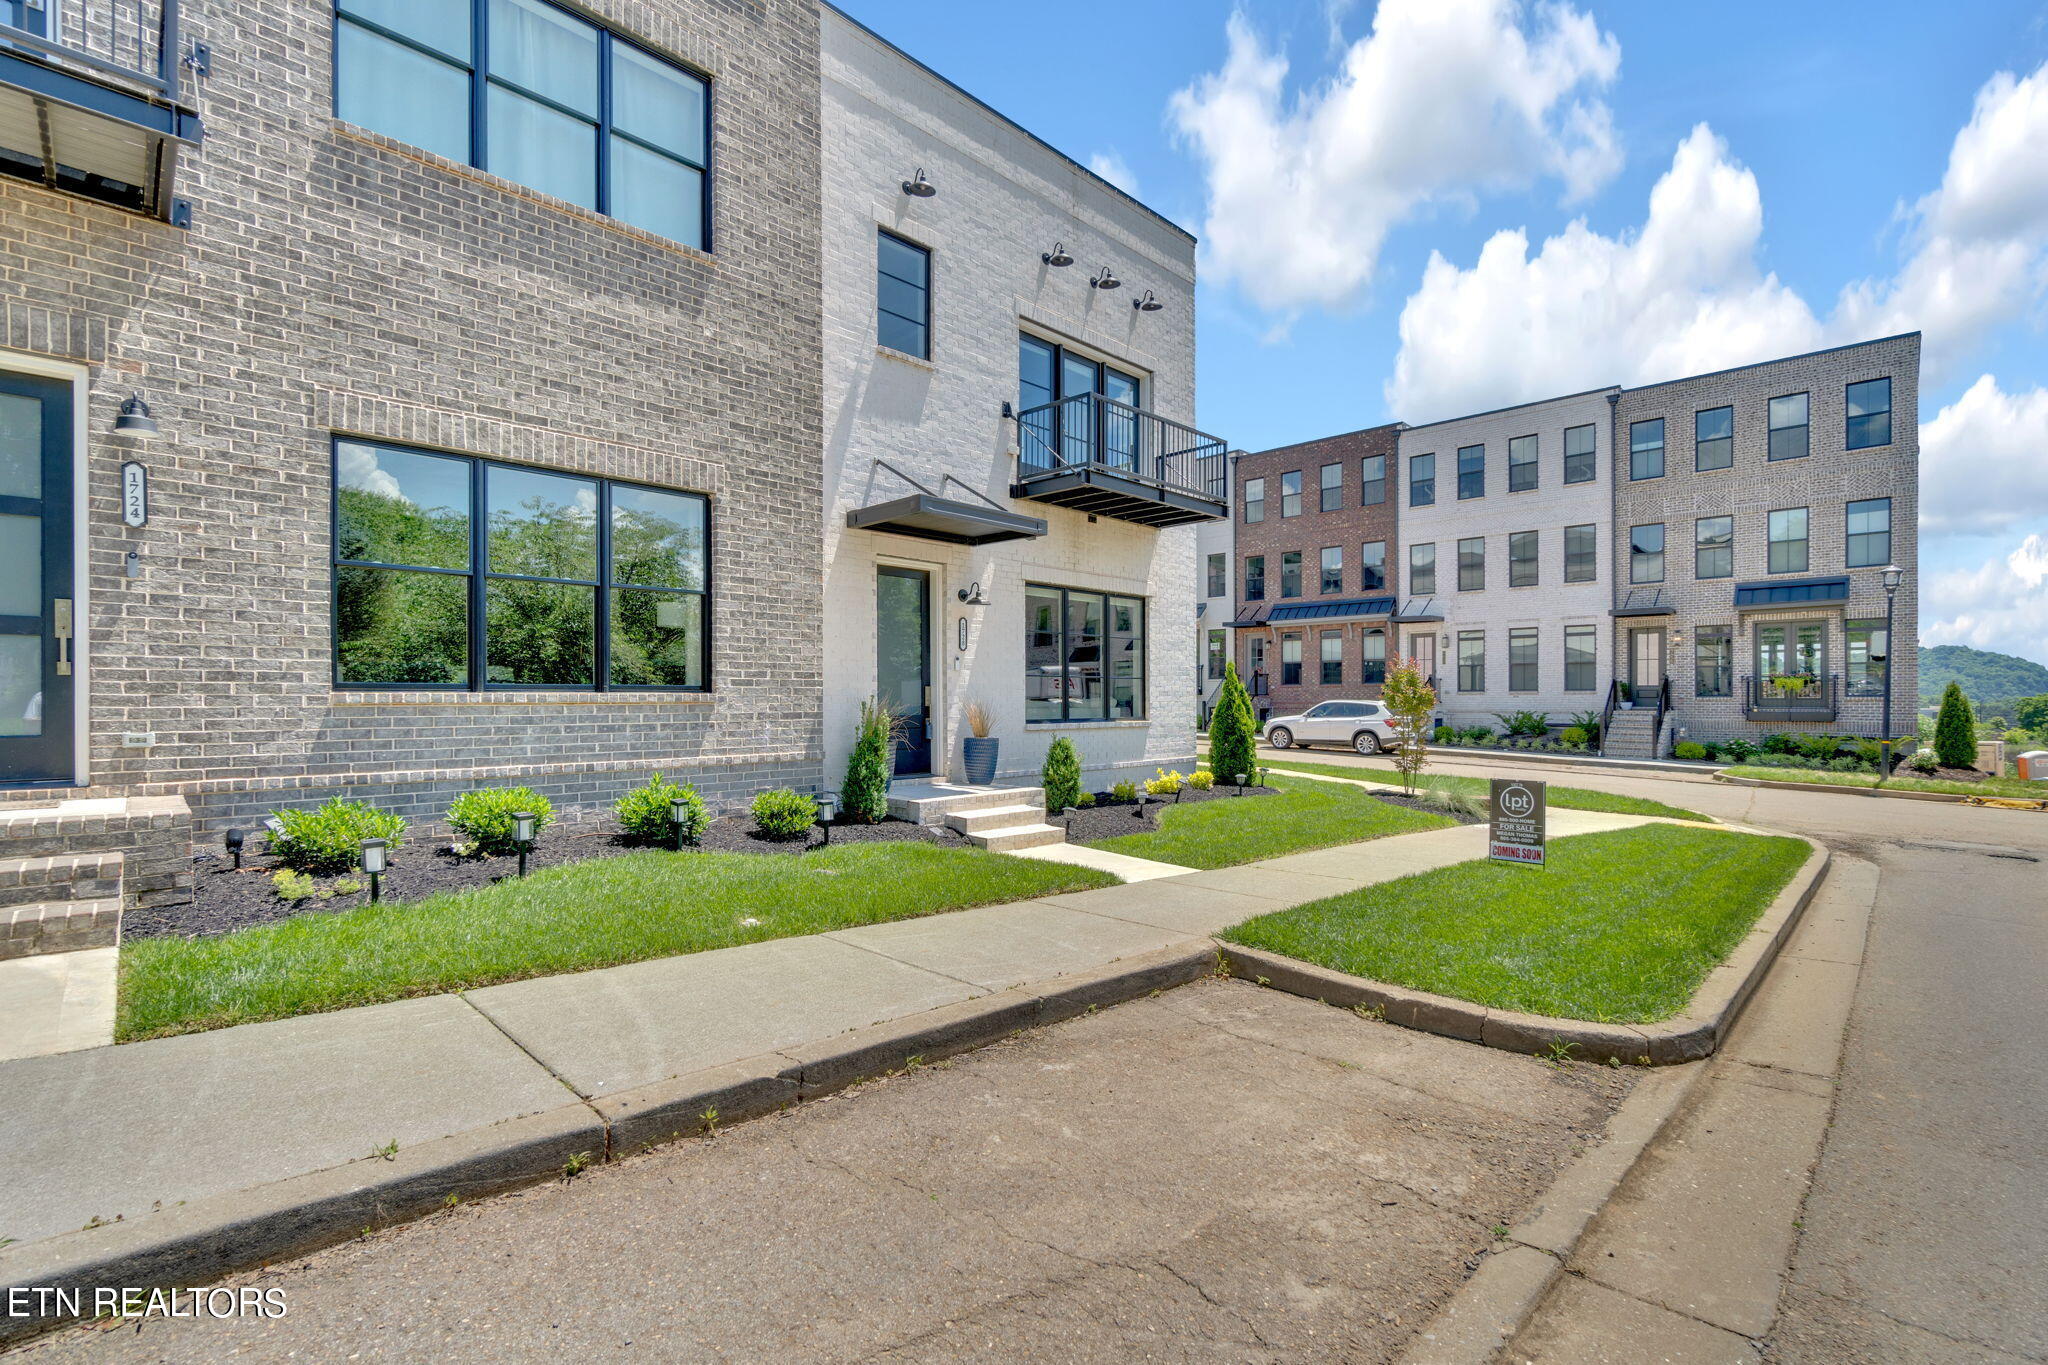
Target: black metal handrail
<point>1663,709</point>
<point>133,40</point>
<point>1092,431</point>
<point>1813,692</point>
<point>1261,683</point>
<point>1607,712</point>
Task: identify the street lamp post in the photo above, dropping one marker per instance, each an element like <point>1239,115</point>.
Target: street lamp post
<point>1893,575</point>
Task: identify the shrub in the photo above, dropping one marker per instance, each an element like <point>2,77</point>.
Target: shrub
<point>484,818</point>
<point>329,838</point>
<point>1126,790</point>
<point>1165,784</point>
<point>1822,747</point>
<point>1201,779</point>
<point>1233,730</point>
<point>784,814</point>
<point>644,811</point>
<point>1524,723</point>
<point>1690,752</point>
<point>290,885</point>
<point>1574,738</point>
<point>1867,751</point>
<point>1925,760</point>
<point>1061,775</point>
<point>864,795</point>
<point>1474,733</point>
<point>1846,764</point>
<point>1738,750</point>
<point>1085,800</point>
<point>1955,730</point>
<point>1779,744</point>
<point>1443,734</point>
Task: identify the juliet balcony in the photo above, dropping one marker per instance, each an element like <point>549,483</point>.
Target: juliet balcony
<point>1094,454</point>
<point>93,100</point>
<point>1791,697</point>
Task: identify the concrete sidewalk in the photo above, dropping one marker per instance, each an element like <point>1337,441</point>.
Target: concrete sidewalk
<point>128,1133</point>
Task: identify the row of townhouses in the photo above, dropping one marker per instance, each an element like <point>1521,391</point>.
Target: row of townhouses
<point>397,399</point>
<point>1713,549</point>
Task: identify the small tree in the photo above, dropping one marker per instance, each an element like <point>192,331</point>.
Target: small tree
<point>1410,699</point>
<point>2031,713</point>
<point>864,796</point>
<point>1955,730</point>
<point>1233,730</point>
<point>1061,776</point>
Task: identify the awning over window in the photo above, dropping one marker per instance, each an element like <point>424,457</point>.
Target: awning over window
<point>1782,592</point>
<point>1419,609</point>
<point>956,523</point>
<point>1252,615</point>
<point>1350,609</point>
<point>1645,602</point>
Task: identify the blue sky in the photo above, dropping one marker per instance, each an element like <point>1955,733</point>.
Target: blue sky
<point>1808,149</point>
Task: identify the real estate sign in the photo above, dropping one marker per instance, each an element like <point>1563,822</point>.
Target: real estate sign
<point>1517,821</point>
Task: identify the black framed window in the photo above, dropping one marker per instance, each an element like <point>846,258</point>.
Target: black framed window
<point>1084,655</point>
<point>1578,454</point>
<point>1048,373</point>
<point>903,295</point>
<point>1373,669</point>
<point>1522,552</point>
<point>1523,649</point>
<point>1581,553</point>
<point>1422,570</point>
<point>1646,449</point>
<point>1713,439</point>
<point>1372,480</point>
<point>1788,542</point>
<point>1713,547</point>
<point>1372,566</point>
<point>1421,480</point>
<point>1471,472</point>
<point>1471,661</point>
<point>460,573</point>
<point>1869,414</point>
<point>1332,647</point>
<point>1254,578</point>
<point>1870,533</point>
<point>1216,654</point>
<point>1867,657</point>
<point>1472,564</point>
<point>1290,493</point>
<point>1522,466</point>
<point>1290,573</point>
<point>1290,660</point>
<point>1219,575</point>
<point>1580,643</point>
<point>1332,488</point>
<point>1789,430</point>
<point>1332,579</point>
<point>1646,553</point>
<point>1254,501</point>
<point>1713,652</point>
<point>528,90</point>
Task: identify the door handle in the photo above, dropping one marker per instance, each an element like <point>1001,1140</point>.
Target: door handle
<point>60,626</point>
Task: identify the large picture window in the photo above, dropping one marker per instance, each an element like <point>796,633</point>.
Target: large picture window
<point>1084,655</point>
<point>459,573</point>
<point>534,93</point>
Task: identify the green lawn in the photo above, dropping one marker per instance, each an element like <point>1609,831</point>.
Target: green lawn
<point>1304,815</point>
<point>1621,927</point>
<point>1993,786</point>
<point>564,919</point>
<point>1564,798</point>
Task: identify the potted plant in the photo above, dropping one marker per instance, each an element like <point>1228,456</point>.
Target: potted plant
<point>979,745</point>
<point>1624,694</point>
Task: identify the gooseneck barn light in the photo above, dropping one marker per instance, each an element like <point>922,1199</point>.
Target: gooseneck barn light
<point>1057,256</point>
<point>1146,303</point>
<point>1105,279</point>
<point>917,187</point>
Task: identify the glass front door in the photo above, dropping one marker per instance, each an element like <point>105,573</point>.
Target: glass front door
<point>903,661</point>
<point>1422,649</point>
<point>36,607</point>
<point>1645,662</point>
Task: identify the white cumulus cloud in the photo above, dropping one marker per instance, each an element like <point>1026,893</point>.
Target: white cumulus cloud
<point>1441,101</point>
<point>1984,461</point>
<point>1110,166</point>
<point>2001,605</point>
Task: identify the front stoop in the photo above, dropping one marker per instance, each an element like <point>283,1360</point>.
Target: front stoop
<point>65,877</point>
<point>929,803</point>
<point>150,835</point>
<point>59,927</point>
<point>1630,734</point>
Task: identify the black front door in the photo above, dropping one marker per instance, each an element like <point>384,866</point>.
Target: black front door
<point>903,661</point>
<point>36,619</point>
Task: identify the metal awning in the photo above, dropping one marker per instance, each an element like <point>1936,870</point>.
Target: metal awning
<point>1419,609</point>
<point>1350,609</point>
<point>1250,616</point>
<point>933,518</point>
<point>1645,602</point>
<point>1782,592</point>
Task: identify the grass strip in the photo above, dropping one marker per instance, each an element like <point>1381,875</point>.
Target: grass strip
<point>2010,787</point>
<point>1563,798</point>
<point>1304,815</point>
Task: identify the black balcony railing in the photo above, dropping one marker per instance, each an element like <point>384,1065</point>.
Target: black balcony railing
<point>1791,697</point>
<point>133,41</point>
<point>1096,454</point>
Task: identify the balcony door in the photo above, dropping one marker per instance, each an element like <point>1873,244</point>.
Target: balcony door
<point>1052,374</point>
<point>36,601</point>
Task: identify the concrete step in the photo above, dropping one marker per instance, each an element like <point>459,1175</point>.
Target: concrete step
<point>929,803</point>
<point>1013,837</point>
<point>153,833</point>
<point>64,877</point>
<point>994,817</point>
<point>59,927</point>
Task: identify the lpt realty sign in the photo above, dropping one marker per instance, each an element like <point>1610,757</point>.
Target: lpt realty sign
<point>1518,819</point>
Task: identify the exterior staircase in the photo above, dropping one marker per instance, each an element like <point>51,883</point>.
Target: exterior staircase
<point>69,868</point>
<point>1000,819</point>
<point>1631,733</point>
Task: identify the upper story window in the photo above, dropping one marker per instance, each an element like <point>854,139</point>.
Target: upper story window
<point>1581,553</point>
<point>1047,374</point>
<point>1472,564</point>
<point>457,573</point>
<point>1290,493</point>
<point>1290,573</point>
<point>903,295</point>
<point>1713,439</point>
<point>1869,414</point>
<point>1219,576</point>
<point>1521,464</point>
<point>1578,454</point>
<point>1421,480</point>
<point>1646,553</point>
<point>1332,489</point>
<point>1870,533</point>
<point>1372,480</point>
<point>531,92</point>
<point>1788,541</point>
<point>1522,552</point>
<point>1789,427</point>
<point>1422,570</point>
<point>1372,566</point>
<point>1255,578</point>
<point>1713,547</point>
<point>1646,449</point>
<point>1254,500</point>
<point>1471,472</point>
<point>1333,569</point>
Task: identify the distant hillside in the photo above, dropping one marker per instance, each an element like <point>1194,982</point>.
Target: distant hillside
<point>1991,681</point>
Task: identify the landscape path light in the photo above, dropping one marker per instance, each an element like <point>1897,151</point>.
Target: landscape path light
<point>679,816</point>
<point>522,835</point>
<point>1240,784</point>
<point>233,839</point>
<point>828,811</point>
<point>374,851</point>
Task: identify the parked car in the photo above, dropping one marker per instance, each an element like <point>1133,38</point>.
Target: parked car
<point>1364,725</point>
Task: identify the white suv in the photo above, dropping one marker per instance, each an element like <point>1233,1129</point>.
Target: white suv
<point>1364,725</point>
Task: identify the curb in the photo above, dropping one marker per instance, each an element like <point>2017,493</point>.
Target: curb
<point>200,1241</point>
<point>1693,1034</point>
<point>1953,798</point>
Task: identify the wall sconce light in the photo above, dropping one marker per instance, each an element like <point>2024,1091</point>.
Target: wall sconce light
<point>1147,304</point>
<point>1057,256</point>
<point>917,187</point>
<point>971,595</point>
<point>135,419</point>
<point>1105,279</point>
<point>233,839</point>
<point>1446,640</point>
<point>522,835</point>
<point>374,851</point>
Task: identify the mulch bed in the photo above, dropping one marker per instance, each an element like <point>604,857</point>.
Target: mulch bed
<point>1109,817</point>
<point>224,900</point>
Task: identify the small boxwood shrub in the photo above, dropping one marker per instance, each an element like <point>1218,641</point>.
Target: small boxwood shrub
<point>1443,734</point>
<point>484,818</point>
<point>329,838</point>
<point>784,814</point>
<point>644,812</point>
<point>1061,775</point>
<point>1201,779</point>
<point>1573,737</point>
<point>1126,790</point>
<point>1690,751</point>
